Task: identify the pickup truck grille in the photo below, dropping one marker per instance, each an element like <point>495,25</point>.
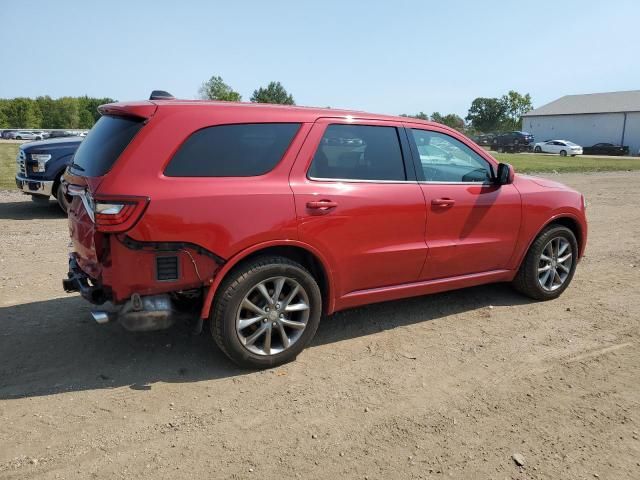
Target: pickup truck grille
<point>21,160</point>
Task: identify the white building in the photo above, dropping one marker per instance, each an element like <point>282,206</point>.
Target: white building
<point>588,119</point>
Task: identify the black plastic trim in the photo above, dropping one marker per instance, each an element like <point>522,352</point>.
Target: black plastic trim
<point>132,244</point>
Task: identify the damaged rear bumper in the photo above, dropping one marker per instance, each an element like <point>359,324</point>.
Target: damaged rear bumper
<point>78,281</point>
<point>139,313</point>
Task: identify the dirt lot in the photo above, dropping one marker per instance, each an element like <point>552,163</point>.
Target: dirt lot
<point>446,386</point>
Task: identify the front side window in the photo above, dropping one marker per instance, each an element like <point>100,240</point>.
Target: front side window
<point>445,159</point>
<point>358,152</point>
<point>242,150</point>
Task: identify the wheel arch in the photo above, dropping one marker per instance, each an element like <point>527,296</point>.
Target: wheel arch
<point>57,178</point>
<point>566,220</point>
<point>300,252</point>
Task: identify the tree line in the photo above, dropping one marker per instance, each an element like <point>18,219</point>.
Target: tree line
<point>46,112</point>
<point>216,89</point>
<point>484,115</point>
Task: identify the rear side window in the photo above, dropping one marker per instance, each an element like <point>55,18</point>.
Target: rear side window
<point>104,144</point>
<point>243,150</point>
<point>358,152</point>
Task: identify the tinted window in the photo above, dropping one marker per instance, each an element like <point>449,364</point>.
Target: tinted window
<point>358,152</point>
<point>243,150</point>
<point>445,159</point>
<point>103,145</point>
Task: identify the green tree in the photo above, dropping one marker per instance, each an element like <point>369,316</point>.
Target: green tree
<point>452,120</point>
<point>420,116</point>
<point>47,109</point>
<point>273,93</point>
<point>515,106</point>
<point>23,113</point>
<point>216,89</point>
<point>487,114</point>
<point>85,119</point>
<point>4,123</point>
<point>67,113</point>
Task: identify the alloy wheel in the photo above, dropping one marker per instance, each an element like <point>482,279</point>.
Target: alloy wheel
<point>272,316</point>
<point>554,265</point>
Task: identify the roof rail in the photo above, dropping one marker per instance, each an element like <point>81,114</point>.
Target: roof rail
<point>161,95</point>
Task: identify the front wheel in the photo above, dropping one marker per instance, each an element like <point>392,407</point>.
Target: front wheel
<point>537,150</point>
<point>563,153</point>
<point>63,201</point>
<point>548,268</point>
<point>266,311</point>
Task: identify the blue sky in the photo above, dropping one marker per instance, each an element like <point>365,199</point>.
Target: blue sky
<point>392,56</point>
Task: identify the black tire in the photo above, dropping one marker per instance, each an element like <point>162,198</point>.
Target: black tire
<point>563,153</point>
<point>526,280</point>
<point>537,150</point>
<point>63,201</point>
<point>238,283</point>
<point>18,138</point>
<point>40,200</point>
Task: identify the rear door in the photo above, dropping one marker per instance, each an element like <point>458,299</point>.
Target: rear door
<point>359,204</point>
<point>472,224</point>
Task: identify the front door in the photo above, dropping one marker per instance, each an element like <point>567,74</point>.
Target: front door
<point>472,223</point>
<point>359,204</point>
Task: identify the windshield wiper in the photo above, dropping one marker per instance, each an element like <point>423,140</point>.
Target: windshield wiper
<point>75,165</point>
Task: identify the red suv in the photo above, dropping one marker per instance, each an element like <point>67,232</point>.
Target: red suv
<point>263,218</point>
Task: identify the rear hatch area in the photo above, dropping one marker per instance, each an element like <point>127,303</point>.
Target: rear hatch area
<point>89,218</point>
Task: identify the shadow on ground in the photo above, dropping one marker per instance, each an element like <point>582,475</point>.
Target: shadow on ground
<point>28,210</point>
<point>52,346</point>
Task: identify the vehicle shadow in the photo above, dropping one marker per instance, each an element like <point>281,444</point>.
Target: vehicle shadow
<point>53,346</point>
<point>28,210</point>
<point>379,317</point>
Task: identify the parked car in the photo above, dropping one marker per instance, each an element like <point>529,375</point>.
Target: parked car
<point>606,149</point>
<point>562,147</point>
<point>41,135</point>
<point>23,135</point>
<point>485,139</point>
<point>60,133</point>
<point>7,133</point>
<point>40,168</point>
<point>265,218</point>
<point>513,142</point>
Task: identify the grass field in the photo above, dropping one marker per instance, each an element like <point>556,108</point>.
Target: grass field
<point>528,163</point>
<point>8,152</point>
<point>525,163</point>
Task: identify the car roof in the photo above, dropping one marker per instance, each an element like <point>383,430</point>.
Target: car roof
<point>282,113</point>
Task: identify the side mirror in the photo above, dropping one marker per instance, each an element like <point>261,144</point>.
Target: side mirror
<point>505,174</point>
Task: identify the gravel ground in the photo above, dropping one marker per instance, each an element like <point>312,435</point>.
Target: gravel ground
<point>466,384</point>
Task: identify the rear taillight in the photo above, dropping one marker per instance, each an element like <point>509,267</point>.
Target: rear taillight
<point>115,214</point>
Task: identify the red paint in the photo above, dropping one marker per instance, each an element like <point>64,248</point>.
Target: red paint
<point>375,240</point>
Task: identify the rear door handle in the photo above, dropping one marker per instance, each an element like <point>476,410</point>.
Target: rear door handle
<point>443,202</point>
<point>321,205</point>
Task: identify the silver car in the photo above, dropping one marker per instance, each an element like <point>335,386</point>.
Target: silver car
<point>23,135</point>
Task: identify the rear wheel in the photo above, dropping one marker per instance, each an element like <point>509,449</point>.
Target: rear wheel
<point>549,265</point>
<point>266,312</point>
<point>563,153</point>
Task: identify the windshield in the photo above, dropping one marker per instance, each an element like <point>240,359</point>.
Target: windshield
<point>104,144</point>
